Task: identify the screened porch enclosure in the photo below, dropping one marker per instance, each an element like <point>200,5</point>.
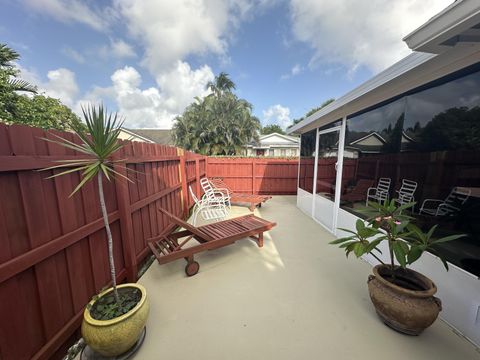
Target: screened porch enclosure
<point>426,143</point>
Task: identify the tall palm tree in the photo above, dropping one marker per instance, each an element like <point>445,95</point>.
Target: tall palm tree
<point>219,124</point>
<point>221,85</point>
<point>99,142</point>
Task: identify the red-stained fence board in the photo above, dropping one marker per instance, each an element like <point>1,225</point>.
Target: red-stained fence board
<point>54,248</point>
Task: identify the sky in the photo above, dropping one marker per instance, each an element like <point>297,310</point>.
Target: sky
<point>149,59</point>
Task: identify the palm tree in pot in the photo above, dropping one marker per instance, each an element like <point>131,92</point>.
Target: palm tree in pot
<point>402,297</point>
<point>114,319</point>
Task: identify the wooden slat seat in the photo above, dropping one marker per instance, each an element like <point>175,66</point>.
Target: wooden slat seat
<point>167,247</point>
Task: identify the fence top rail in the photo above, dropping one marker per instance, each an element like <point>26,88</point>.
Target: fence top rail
<point>249,160</point>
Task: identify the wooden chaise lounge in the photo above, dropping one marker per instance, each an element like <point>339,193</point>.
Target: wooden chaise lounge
<point>167,247</point>
<point>252,200</point>
<point>358,193</point>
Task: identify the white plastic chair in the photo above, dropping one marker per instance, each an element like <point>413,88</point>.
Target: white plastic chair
<point>381,192</point>
<point>447,207</point>
<point>208,210</point>
<point>406,192</point>
<point>215,195</point>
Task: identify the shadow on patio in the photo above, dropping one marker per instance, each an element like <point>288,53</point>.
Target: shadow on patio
<point>297,297</point>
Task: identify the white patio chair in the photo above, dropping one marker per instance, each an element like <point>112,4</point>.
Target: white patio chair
<point>447,207</point>
<point>215,195</point>
<point>208,210</point>
<point>406,193</point>
<point>379,193</point>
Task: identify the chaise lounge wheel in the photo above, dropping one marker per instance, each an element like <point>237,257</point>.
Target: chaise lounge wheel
<point>192,268</point>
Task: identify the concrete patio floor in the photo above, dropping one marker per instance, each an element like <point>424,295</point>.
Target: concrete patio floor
<point>295,298</point>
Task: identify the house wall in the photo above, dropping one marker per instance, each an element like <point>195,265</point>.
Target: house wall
<point>275,151</point>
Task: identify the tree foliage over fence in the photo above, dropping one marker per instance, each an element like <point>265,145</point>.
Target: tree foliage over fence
<point>219,124</point>
<point>35,110</point>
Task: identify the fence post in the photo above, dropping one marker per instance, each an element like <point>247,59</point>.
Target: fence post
<point>125,218</point>
<point>254,168</point>
<point>197,176</point>
<point>183,179</point>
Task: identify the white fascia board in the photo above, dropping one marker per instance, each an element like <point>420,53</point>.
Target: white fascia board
<point>452,21</point>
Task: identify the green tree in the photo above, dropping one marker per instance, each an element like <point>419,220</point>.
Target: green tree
<point>221,85</point>
<point>311,112</point>
<point>9,82</point>
<point>219,124</point>
<point>44,112</point>
<point>37,110</point>
<point>8,72</point>
<point>273,128</point>
<point>453,129</point>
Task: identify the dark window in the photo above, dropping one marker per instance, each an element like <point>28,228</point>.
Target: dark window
<point>442,146</point>
<point>307,160</point>
<point>372,147</point>
<point>430,139</point>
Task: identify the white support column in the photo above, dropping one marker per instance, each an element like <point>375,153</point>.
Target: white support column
<point>315,170</point>
<point>338,181</point>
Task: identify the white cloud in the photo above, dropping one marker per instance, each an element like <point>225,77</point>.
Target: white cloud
<point>118,49</point>
<point>152,107</point>
<point>172,30</point>
<point>60,84</point>
<point>68,11</point>
<point>359,33</point>
<point>294,71</point>
<point>73,54</point>
<point>277,114</point>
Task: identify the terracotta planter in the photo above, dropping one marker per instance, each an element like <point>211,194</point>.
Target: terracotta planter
<point>114,337</point>
<point>408,305</point>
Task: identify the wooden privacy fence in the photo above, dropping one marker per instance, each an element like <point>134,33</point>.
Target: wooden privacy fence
<point>266,176</point>
<point>53,248</point>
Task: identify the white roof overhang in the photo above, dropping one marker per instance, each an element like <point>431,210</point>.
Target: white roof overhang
<point>457,25</point>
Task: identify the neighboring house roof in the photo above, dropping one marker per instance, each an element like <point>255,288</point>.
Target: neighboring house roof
<point>374,142</point>
<point>275,140</point>
<point>158,136</point>
<point>366,137</point>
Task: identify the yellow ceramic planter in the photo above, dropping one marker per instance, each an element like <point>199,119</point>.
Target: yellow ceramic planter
<point>114,337</point>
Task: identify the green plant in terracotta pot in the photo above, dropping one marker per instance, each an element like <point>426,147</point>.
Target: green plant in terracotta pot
<point>114,320</point>
<point>402,297</point>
